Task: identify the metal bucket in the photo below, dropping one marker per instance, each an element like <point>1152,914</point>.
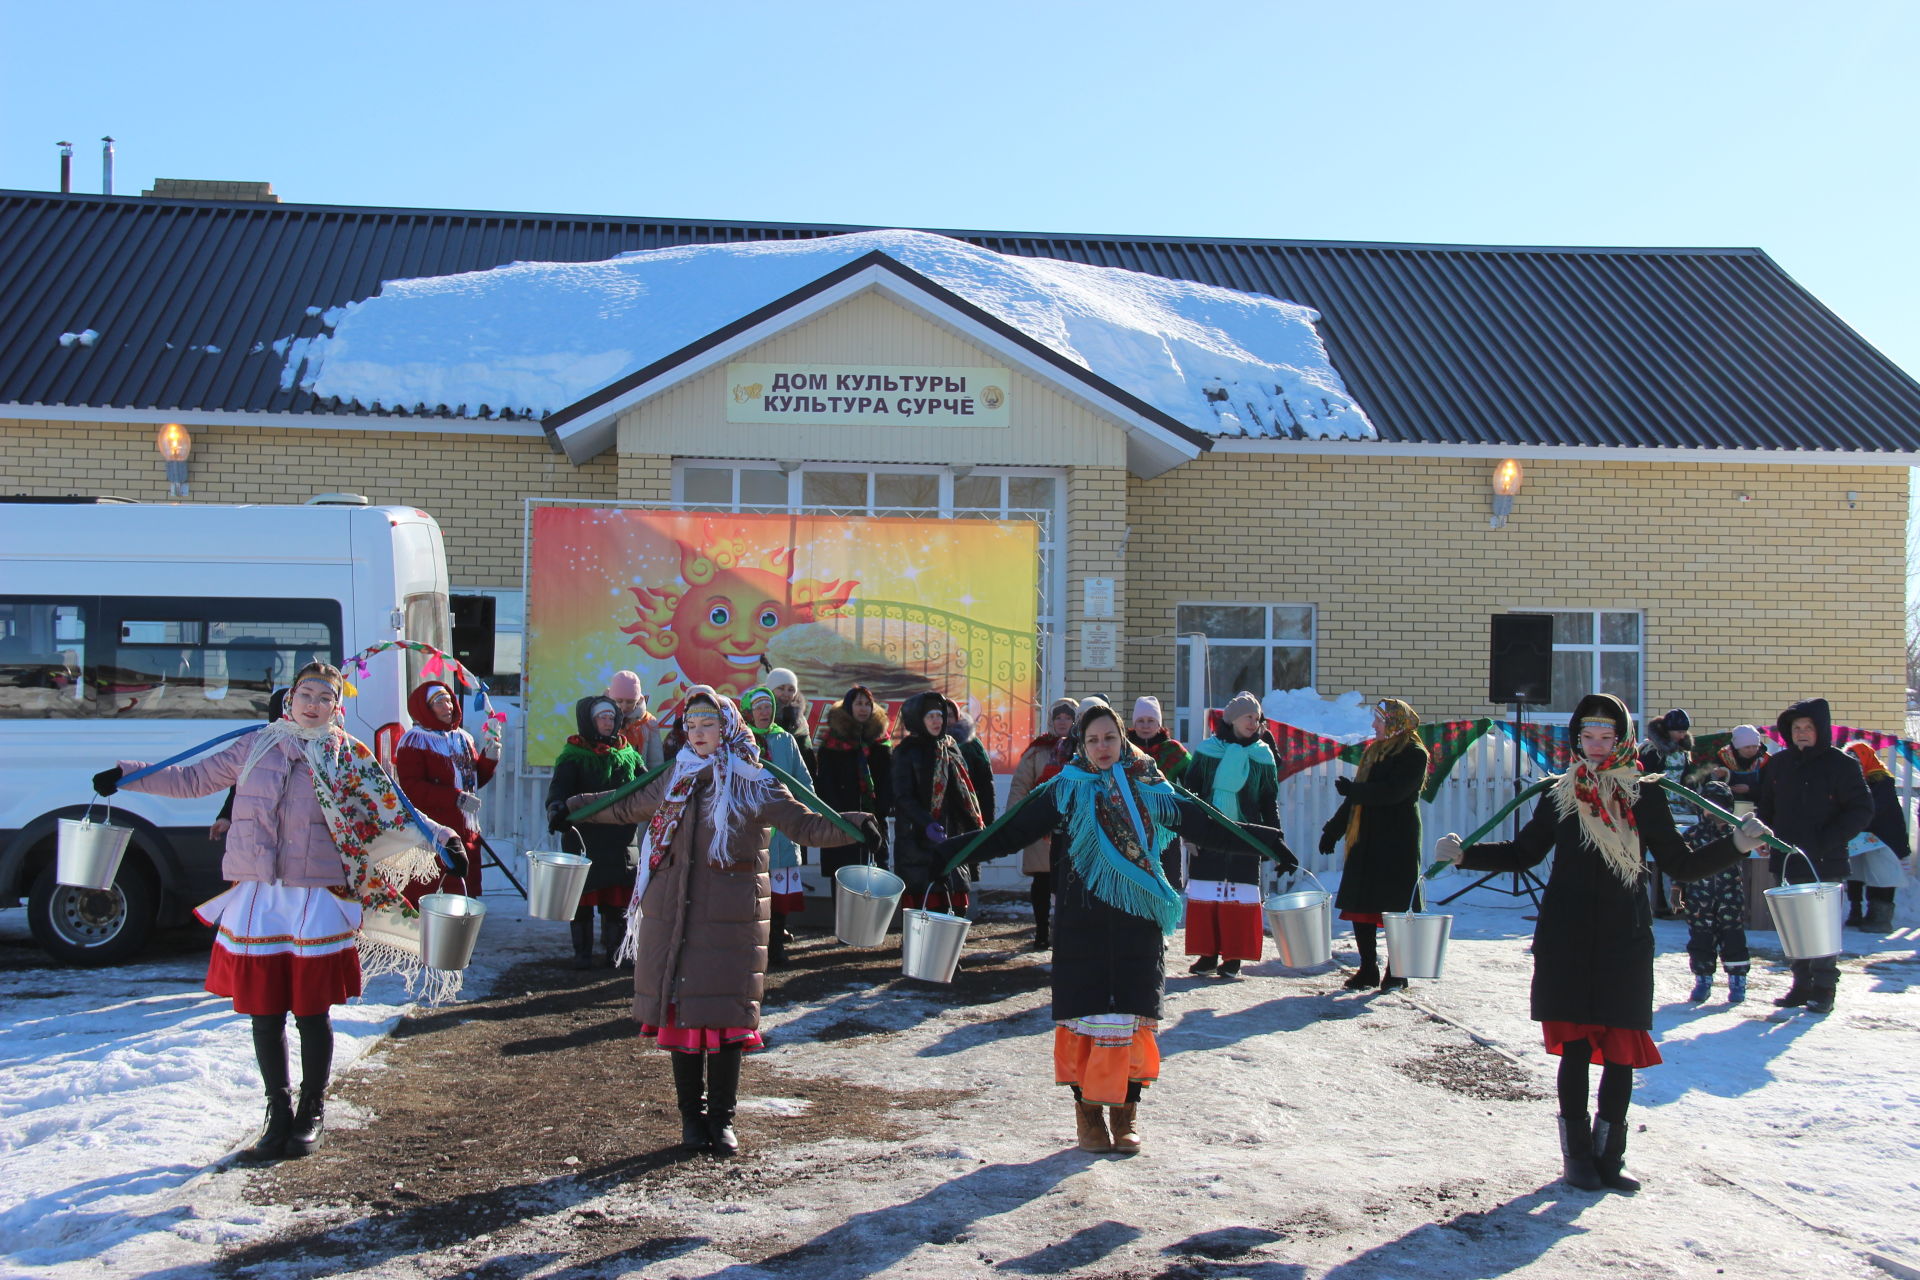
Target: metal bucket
<point>1807,915</point>
<point>1417,943</point>
<point>931,945</point>
<point>864,898</point>
<point>90,851</point>
<point>554,883</point>
<point>449,926</point>
<point>1301,923</point>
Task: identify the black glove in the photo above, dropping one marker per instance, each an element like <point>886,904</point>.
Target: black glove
<point>107,781</point>
<point>1276,844</point>
<point>556,818</point>
<point>454,855</point>
<point>1329,840</point>
<point>873,832</point>
<point>1344,785</point>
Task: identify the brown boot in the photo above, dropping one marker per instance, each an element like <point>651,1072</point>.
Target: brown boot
<point>1126,1139</point>
<point>1092,1126</point>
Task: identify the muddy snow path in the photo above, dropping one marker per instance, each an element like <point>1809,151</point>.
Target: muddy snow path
<point>899,1129</point>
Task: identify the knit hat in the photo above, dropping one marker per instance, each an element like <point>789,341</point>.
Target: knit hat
<point>1147,705</point>
<point>1718,792</point>
<point>781,675</point>
<point>1744,736</point>
<point>625,684</point>
<point>1676,721</point>
<point>1241,704</point>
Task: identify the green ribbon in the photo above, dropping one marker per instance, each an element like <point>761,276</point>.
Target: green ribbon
<point>616,795</point>
<point>999,822</point>
<point>1480,833</point>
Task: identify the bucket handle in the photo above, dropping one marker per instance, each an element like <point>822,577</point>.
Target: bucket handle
<point>1803,856</point>
<point>87,817</point>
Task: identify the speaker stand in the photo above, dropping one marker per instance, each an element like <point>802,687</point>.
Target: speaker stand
<point>1524,881</point>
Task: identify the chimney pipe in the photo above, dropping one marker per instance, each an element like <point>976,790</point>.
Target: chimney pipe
<point>66,167</point>
<point>106,166</point>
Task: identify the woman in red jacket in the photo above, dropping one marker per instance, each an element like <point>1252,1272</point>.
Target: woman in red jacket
<point>441,771</point>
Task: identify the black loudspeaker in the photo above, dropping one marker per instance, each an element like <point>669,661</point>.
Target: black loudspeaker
<point>473,633</point>
<point>1521,659</point>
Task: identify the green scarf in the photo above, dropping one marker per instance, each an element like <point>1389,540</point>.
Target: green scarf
<point>602,768</point>
<point>1237,760</point>
<point>1118,819</point>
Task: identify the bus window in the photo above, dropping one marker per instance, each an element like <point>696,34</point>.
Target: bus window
<point>426,623</point>
<point>43,658</point>
<point>202,659</point>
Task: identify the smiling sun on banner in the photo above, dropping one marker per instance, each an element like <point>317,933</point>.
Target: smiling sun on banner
<point>686,598</point>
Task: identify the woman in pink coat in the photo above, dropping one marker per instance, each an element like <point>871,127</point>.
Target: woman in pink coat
<point>319,838</point>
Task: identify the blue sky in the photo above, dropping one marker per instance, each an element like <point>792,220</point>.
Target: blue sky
<point>1787,126</point>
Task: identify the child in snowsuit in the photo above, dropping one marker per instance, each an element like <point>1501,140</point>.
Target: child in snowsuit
<point>1716,910</point>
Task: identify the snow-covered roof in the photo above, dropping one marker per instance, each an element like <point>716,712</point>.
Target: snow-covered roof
<point>532,338</point>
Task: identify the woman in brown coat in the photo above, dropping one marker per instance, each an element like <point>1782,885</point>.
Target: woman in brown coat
<point>697,928</point>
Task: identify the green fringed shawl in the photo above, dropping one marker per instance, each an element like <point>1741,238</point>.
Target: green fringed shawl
<point>1113,844</point>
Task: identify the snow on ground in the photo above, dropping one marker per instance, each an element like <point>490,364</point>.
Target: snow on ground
<point>1346,717</point>
<point>119,1087</point>
<point>533,337</point>
<point>1295,1133</point>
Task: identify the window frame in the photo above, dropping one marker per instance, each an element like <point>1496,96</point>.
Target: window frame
<point>1597,648</point>
<point>1182,723</point>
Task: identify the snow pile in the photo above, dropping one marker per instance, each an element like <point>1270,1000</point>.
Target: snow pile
<point>533,337</point>
<point>84,338</point>
<point>1347,718</point>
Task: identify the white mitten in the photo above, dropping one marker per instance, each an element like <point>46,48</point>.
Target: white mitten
<point>1447,848</point>
<point>1750,834</point>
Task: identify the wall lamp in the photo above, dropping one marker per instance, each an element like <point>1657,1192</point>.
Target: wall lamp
<point>175,444</point>
<point>1506,483</point>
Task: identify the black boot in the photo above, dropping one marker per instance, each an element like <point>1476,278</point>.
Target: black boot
<point>689,1091</point>
<point>1205,964</point>
<point>1576,1154</point>
<point>1800,992</point>
<point>777,941</point>
<point>1365,978</point>
<point>723,1091</point>
<point>613,930</point>
<point>1392,982</point>
<point>304,1138</point>
<point>583,938</point>
<point>1610,1155</point>
<point>1228,969</point>
<point>272,1144</point>
<point>1879,917</point>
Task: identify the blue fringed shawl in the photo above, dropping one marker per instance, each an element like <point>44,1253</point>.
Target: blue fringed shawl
<point>1118,820</point>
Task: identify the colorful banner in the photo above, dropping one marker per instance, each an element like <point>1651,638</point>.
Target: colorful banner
<point>686,598</point>
<point>1446,742</point>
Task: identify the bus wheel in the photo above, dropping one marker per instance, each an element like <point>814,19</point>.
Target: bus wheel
<point>92,926</point>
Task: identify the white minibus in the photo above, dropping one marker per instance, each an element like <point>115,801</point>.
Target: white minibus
<point>134,630</point>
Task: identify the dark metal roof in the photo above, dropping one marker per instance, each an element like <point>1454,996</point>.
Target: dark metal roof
<point>1466,344</point>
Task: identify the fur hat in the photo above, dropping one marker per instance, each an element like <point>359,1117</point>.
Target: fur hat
<point>1745,736</point>
<point>1146,705</point>
<point>1676,721</point>
<point>1241,704</point>
<point>625,684</point>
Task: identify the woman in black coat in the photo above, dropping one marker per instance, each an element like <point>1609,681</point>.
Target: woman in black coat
<point>596,759</point>
<point>1379,818</point>
<point>1114,906</point>
<point>933,798</point>
<point>1593,944</point>
<point>855,771</point>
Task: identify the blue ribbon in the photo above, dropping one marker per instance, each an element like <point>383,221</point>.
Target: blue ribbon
<point>191,752</point>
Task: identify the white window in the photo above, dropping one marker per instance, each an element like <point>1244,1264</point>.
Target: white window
<point>1257,647</point>
<point>1595,650</point>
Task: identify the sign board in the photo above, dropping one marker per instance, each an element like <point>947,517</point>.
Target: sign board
<point>1098,642</point>
<point>1097,598</point>
<point>868,395</point>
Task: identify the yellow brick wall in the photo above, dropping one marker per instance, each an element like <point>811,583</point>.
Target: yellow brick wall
<point>646,477</point>
<point>1748,605</point>
<point>1096,525</point>
<point>472,484</point>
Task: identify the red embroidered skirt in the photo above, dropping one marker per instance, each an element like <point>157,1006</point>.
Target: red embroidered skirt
<point>279,949</point>
<point>1610,1044</point>
<point>1230,930</point>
